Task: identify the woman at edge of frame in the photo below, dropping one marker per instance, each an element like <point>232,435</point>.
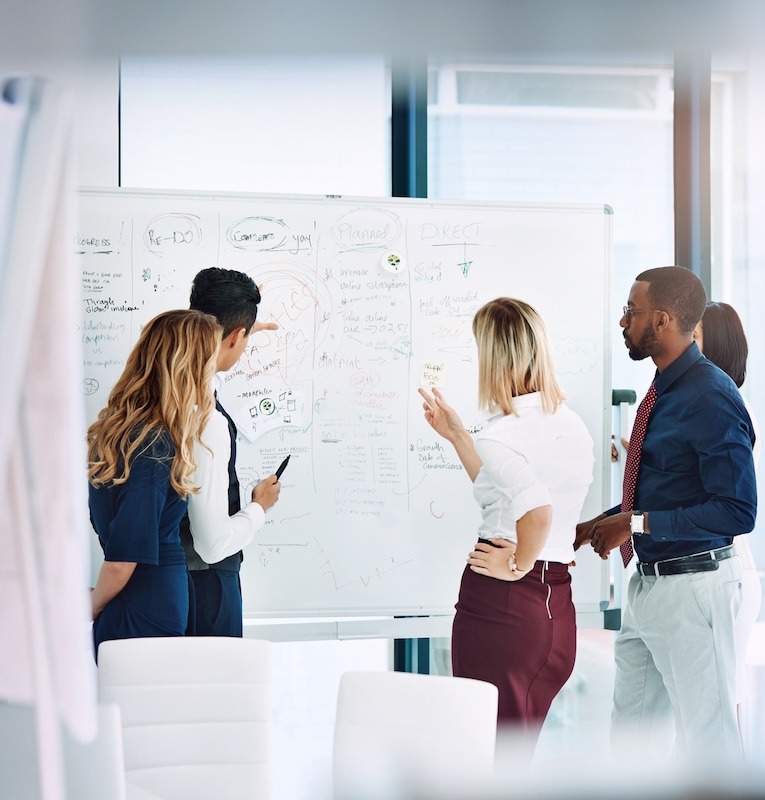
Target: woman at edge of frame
<point>720,337</point>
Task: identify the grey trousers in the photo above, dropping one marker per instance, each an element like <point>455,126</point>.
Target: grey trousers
<point>676,660</point>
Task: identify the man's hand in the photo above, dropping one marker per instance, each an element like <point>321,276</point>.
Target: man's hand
<point>584,531</point>
<point>610,532</point>
<point>266,493</point>
<point>263,326</point>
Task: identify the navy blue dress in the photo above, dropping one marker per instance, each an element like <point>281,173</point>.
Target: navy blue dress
<point>139,521</point>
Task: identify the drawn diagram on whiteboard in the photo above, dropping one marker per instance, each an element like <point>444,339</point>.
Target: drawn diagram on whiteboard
<point>269,408</point>
<point>375,574</point>
<point>292,298</point>
<point>161,281</point>
<point>268,234</point>
<point>257,233</point>
<point>172,233</point>
<point>366,229</point>
<point>575,356</point>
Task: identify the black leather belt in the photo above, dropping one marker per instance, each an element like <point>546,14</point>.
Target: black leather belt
<point>699,562</point>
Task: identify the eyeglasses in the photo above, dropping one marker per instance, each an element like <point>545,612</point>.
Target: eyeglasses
<point>630,312</point>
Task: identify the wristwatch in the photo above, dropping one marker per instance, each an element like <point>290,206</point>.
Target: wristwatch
<point>637,523</point>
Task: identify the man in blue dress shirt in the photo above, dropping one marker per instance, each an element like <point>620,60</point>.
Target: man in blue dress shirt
<point>695,491</point>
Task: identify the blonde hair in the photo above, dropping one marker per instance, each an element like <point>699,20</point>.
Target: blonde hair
<point>165,387</point>
<point>514,356</point>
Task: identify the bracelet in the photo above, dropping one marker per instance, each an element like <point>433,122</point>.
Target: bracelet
<point>515,568</point>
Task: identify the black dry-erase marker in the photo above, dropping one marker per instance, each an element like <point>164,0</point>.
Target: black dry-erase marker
<point>282,467</point>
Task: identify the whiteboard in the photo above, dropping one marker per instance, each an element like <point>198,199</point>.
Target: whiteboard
<point>373,297</point>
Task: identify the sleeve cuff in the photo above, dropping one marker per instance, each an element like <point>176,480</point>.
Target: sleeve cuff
<point>255,513</point>
<point>131,559</point>
<point>660,525</point>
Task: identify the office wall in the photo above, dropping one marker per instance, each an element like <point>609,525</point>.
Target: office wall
<point>91,87</point>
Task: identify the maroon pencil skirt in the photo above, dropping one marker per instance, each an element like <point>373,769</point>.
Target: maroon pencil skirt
<point>518,635</point>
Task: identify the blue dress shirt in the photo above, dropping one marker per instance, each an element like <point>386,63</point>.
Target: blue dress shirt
<point>696,476</point>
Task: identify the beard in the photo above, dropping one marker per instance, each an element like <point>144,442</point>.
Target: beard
<point>644,347</point>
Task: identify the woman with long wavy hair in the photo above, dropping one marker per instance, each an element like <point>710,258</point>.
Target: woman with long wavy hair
<point>140,470</point>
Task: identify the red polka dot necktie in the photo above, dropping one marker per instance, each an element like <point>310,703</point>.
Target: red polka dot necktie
<point>633,463</point>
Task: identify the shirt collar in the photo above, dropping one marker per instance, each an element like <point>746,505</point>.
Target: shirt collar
<point>521,403</point>
<point>677,368</point>
<point>530,400</point>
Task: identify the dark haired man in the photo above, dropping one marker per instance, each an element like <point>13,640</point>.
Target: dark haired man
<point>692,490</point>
<point>217,528</point>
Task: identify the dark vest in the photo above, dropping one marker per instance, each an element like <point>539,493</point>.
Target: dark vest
<point>234,504</point>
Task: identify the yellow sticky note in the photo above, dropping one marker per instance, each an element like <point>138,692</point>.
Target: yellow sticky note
<point>433,373</point>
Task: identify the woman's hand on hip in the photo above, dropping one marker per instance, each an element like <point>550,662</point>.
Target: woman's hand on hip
<point>495,561</point>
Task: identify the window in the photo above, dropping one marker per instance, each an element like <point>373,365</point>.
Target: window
<point>737,192</point>
<point>555,134</point>
<point>311,126</point>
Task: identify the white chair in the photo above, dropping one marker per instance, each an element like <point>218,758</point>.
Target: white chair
<point>395,731</point>
<point>196,714</point>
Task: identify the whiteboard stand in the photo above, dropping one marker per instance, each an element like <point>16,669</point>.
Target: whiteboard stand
<point>621,399</point>
<point>411,655</point>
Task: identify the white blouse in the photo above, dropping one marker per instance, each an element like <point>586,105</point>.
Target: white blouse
<point>217,535</point>
<point>532,459</point>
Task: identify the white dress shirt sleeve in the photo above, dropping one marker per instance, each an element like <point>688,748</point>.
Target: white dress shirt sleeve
<point>217,535</point>
<point>513,476</point>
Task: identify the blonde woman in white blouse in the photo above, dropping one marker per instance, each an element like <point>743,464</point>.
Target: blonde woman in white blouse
<point>531,466</point>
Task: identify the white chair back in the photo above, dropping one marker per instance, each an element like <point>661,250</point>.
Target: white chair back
<point>395,731</point>
<point>196,714</point>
